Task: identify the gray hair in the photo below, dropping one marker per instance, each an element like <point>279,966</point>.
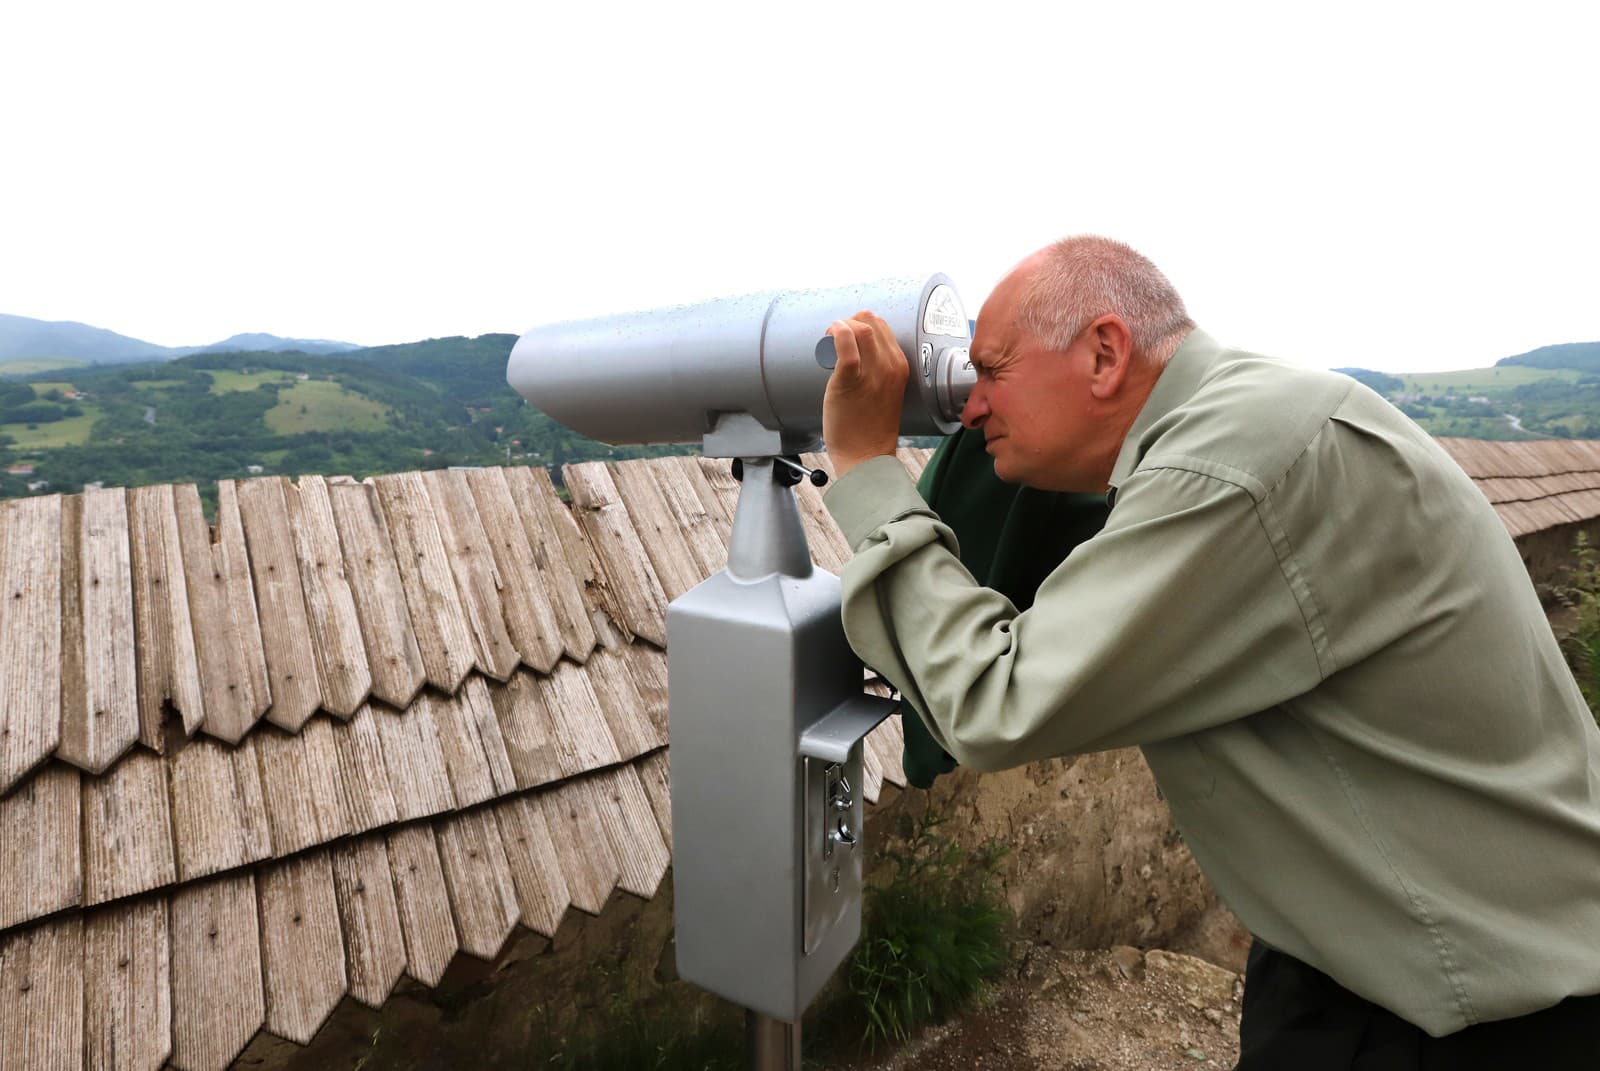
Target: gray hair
<point>1085,277</point>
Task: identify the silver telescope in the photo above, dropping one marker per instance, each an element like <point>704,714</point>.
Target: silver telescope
<point>742,376</point>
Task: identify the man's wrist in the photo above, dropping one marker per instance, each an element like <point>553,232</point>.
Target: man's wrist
<point>843,463</point>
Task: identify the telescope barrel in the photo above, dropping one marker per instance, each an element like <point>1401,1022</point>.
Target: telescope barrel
<point>740,375</point>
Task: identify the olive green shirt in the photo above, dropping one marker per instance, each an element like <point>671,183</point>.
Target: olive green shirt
<point>1327,646</point>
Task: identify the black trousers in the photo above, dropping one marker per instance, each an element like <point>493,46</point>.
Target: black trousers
<point>1296,1018</point>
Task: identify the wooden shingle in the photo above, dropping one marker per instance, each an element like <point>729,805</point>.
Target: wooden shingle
<point>374,946</point>
<point>631,829</point>
<point>302,948</point>
<point>536,874</point>
<point>217,999</point>
<point>582,735</point>
<point>280,601</point>
<point>127,987</point>
<point>478,879</point>
<point>40,869</point>
<point>363,773</point>
<point>478,580</point>
<point>30,634</point>
<point>415,762</point>
<point>41,996</point>
<point>672,559</point>
<point>393,658</point>
<point>527,730</point>
<point>589,865</point>
<point>529,614</point>
<point>437,616</point>
<point>549,530</point>
<point>167,668</point>
<point>99,696</point>
<point>227,636</point>
<point>474,752</point>
<point>630,592</point>
<point>219,820</point>
<point>343,676</point>
<point>127,830</point>
<point>423,902</point>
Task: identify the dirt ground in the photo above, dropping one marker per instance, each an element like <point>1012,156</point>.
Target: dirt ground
<point>1114,1010</point>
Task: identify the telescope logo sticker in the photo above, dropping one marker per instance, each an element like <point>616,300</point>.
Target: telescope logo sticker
<point>944,314</point>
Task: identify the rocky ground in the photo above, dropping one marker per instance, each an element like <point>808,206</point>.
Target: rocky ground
<point>1115,1010</point>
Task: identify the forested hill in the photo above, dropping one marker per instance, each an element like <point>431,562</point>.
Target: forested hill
<point>1580,356</point>
<point>230,415</point>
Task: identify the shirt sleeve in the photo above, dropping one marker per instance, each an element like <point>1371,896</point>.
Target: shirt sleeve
<point>1176,617</point>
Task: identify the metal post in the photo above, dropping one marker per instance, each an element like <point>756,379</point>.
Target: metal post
<point>770,1044</point>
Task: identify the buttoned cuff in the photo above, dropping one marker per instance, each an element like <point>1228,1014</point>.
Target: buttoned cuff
<point>871,495</point>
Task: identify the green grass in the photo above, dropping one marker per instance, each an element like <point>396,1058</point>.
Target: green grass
<point>43,387</point>
<point>319,405</point>
<point>223,380</point>
<point>29,366</point>
<point>168,384</point>
<point>1483,380</point>
<point>73,431</point>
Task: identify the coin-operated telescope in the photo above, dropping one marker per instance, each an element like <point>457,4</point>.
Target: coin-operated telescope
<point>767,712</point>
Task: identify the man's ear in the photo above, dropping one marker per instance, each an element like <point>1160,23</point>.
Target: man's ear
<point>1111,346</point>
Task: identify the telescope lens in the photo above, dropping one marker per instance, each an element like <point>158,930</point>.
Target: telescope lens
<point>953,381</point>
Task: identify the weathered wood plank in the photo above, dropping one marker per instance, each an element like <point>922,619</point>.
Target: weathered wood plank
<point>437,616</point>
<point>724,490</point>
<point>280,602</point>
<point>41,980</point>
<point>890,736</point>
<point>672,559</point>
<point>99,695</point>
<point>227,639</point>
<point>536,873</point>
<point>631,829</point>
<point>299,785</point>
<point>582,737</point>
<point>164,647</point>
<point>40,870</point>
<point>655,773</point>
<point>423,902</point>
<point>127,987</point>
<point>648,666</point>
<point>393,657</point>
<point>217,1000</point>
<point>527,729</point>
<point>871,773</point>
<point>480,727</point>
<point>685,491</point>
<point>127,830</point>
<point>218,816</point>
<point>620,702</point>
<point>30,634</point>
<point>478,878</point>
<point>631,593</point>
<point>418,777</point>
<point>472,561</point>
<point>374,946</point>
<point>302,948</point>
<point>363,774</point>
<point>588,864</point>
<point>524,604</point>
<point>559,553</point>
<point>336,641</point>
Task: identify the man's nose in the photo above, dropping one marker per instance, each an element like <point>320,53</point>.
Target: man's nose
<point>976,411</point>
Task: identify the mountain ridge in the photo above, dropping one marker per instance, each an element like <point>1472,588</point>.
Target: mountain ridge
<point>23,337</point>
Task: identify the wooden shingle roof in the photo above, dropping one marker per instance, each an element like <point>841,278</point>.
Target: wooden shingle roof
<point>1534,485</point>
<point>350,731</point>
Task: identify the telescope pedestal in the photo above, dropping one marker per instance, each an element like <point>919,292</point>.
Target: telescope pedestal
<point>767,719</point>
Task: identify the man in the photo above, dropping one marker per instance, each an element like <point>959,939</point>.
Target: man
<point>1312,623</point>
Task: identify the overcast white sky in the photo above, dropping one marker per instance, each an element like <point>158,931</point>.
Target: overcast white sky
<point>1403,186</point>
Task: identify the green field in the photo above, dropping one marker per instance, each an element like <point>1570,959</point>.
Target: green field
<point>73,431</point>
<point>1475,380</point>
<point>43,387</point>
<point>320,405</point>
<point>32,366</point>
<point>223,381</point>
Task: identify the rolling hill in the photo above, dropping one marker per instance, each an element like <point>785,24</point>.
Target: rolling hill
<point>23,338</point>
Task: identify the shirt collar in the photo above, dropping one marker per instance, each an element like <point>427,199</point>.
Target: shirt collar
<point>1188,367</point>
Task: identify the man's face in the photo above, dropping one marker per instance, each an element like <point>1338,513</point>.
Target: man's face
<point>1032,404</point>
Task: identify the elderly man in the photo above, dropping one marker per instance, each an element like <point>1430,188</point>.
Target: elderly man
<point>1312,623</point>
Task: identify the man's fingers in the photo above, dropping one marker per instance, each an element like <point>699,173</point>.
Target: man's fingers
<point>848,365</point>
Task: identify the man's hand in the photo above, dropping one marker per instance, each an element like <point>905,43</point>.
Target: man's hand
<point>861,409</point>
